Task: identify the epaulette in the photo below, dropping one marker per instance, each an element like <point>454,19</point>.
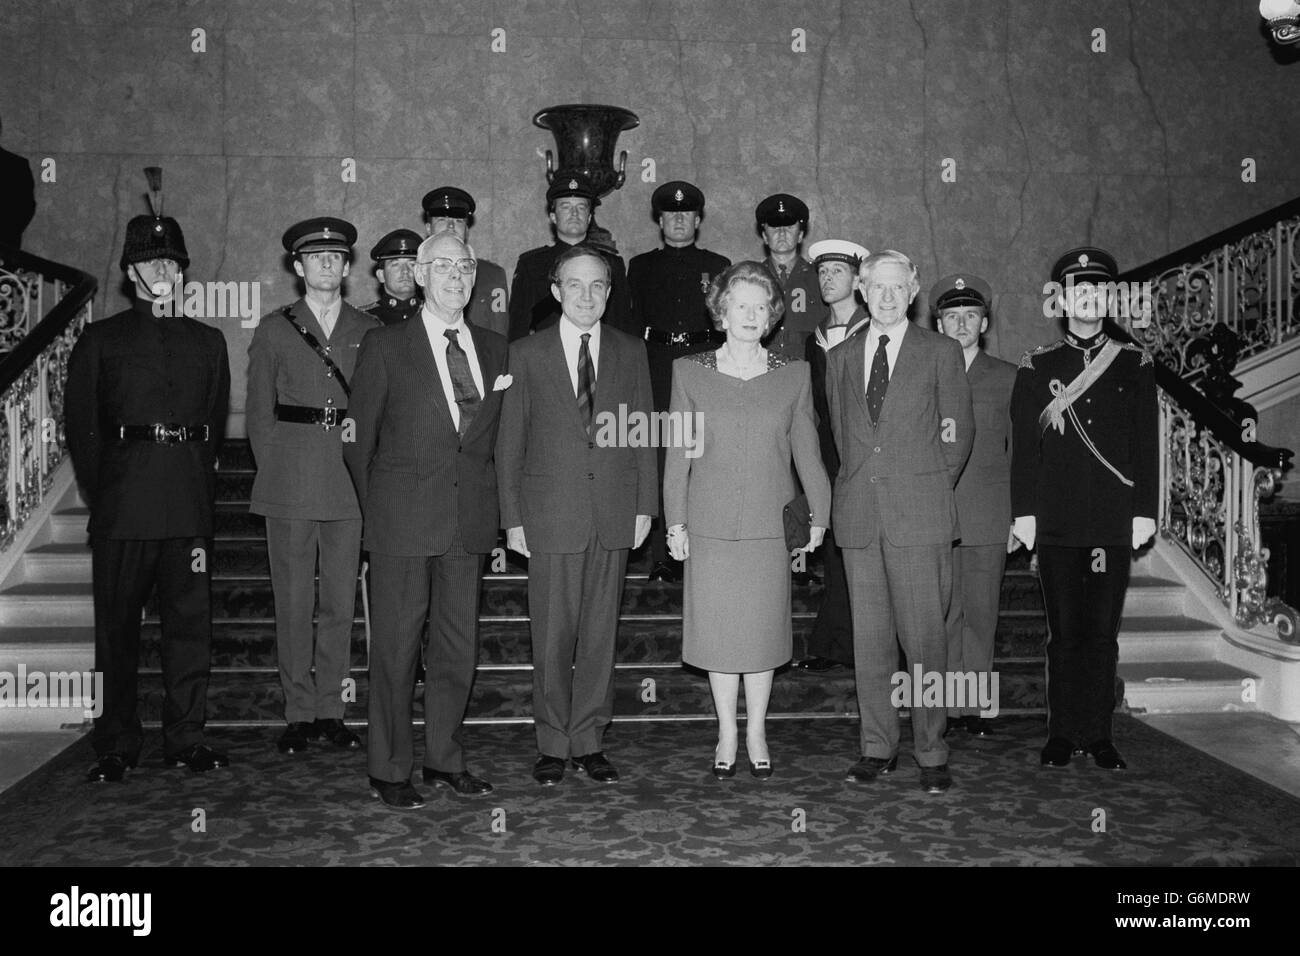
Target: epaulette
<point>1145,357</point>
<point>367,308</point>
<point>1027,360</point>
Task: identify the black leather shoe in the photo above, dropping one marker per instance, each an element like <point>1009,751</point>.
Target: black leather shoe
<point>818,665</point>
<point>462,782</point>
<point>548,771</point>
<point>978,726</point>
<point>936,779</point>
<point>109,768</point>
<point>200,758</point>
<point>762,769</point>
<point>597,767</point>
<point>337,733</point>
<point>1057,753</point>
<point>1105,756</point>
<point>295,737</point>
<point>398,796</point>
<point>869,768</point>
<point>664,571</point>
<point>724,771</point>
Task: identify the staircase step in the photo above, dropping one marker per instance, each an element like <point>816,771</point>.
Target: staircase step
<point>68,526</point>
<point>57,563</point>
<point>1187,687</point>
<point>47,604</point>
<point>51,653</point>
<point>1150,596</point>
<point>1166,638</point>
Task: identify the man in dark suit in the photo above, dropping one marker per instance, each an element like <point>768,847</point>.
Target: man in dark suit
<point>782,222</point>
<point>831,643</point>
<point>1085,487</point>
<point>960,306</point>
<point>570,201</point>
<point>574,505</point>
<point>901,412</point>
<point>146,402</point>
<point>300,362</point>
<point>425,406</point>
<point>17,197</point>
<point>449,209</point>
<point>669,286</point>
<point>394,258</point>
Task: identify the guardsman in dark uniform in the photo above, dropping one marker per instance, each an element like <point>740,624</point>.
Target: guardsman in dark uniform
<point>1084,473</point>
<point>300,366</point>
<point>782,222</point>
<point>399,299</point>
<point>960,306</point>
<point>569,203</point>
<point>836,260</point>
<point>669,286</point>
<point>448,209</point>
<point>146,404</point>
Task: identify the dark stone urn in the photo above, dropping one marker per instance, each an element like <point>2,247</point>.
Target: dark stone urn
<point>585,135</point>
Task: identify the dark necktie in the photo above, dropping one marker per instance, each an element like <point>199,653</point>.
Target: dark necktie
<point>879,380</point>
<point>462,382</point>
<point>784,272</point>
<point>586,382</point>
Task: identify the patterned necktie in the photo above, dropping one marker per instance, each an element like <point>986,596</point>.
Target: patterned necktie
<point>586,382</point>
<point>462,382</point>
<point>879,381</point>
<point>784,272</point>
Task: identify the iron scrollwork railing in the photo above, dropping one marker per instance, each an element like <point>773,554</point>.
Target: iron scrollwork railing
<point>33,371</point>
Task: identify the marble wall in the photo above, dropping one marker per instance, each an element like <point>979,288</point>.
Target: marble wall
<point>1137,148</point>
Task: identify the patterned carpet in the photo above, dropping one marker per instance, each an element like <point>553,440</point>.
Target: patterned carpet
<point>1175,806</point>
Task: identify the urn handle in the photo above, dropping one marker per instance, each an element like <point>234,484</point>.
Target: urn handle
<point>622,170</point>
<point>550,167</point>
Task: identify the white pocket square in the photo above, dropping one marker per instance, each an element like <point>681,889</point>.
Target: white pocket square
<point>502,383</point>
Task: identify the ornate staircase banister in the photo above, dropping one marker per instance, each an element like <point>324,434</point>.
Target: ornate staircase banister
<point>32,376</point>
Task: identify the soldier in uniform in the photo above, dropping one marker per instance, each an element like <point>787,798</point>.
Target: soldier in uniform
<point>300,364</point>
<point>1084,473</point>
<point>782,222</point>
<point>448,209</point>
<point>960,306</point>
<point>146,402</point>
<point>569,203</point>
<point>399,299</point>
<point>836,260</point>
<point>669,286</point>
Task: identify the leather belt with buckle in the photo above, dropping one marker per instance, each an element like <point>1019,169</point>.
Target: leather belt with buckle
<point>306,415</point>
<point>163,434</point>
<point>696,337</point>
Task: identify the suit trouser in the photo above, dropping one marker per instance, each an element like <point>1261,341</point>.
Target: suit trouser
<point>904,592</point>
<point>832,634</point>
<point>403,590</point>
<point>1083,589</point>
<point>293,545</point>
<point>973,617</point>
<point>573,603</point>
<point>124,574</point>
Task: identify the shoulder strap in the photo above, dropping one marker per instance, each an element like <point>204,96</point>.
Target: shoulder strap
<point>316,347</point>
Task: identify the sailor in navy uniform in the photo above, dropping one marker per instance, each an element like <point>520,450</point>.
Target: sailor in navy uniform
<point>782,222</point>
<point>1084,474</point>
<point>450,209</point>
<point>399,299</point>
<point>669,286</point>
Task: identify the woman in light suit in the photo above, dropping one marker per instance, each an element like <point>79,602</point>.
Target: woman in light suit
<point>752,412</point>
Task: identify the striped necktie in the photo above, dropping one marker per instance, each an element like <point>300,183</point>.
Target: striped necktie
<point>462,382</point>
<point>586,382</point>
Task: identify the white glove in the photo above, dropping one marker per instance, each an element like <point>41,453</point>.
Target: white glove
<point>1026,529</point>
<point>1144,530</point>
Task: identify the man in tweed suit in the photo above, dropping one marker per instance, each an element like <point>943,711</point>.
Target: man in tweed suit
<point>901,413</point>
<point>425,407</point>
<point>299,363</point>
<point>574,506</point>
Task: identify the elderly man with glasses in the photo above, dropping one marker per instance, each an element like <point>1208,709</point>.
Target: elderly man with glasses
<point>425,406</point>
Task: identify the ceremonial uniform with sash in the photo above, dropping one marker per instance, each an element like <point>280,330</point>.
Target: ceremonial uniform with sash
<point>1085,467</point>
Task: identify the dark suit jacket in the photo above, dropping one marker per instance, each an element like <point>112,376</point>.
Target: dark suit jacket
<point>897,477</point>
<point>418,482</point>
<point>815,351</point>
<point>984,488</point>
<point>300,471</point>
<point>556,481</point>
<point>17,197</point>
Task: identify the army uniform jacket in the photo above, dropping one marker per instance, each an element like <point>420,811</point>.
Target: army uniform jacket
<point>984,488</point>
<point>804,308</point>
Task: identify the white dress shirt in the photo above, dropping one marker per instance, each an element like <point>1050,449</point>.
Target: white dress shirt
<point>435,327</point>
<point>571,339</point>
<point>891,347</point>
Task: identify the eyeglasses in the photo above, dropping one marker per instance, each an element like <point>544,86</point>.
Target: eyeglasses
<point>442,266</point>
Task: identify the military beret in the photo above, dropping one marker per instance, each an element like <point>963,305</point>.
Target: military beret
<point>781,209</point>
<point>323,234</point>
<point>154,237</point>
<point>571,183</point>
<point>1085,264</point>
<point>837,250</point>
<point>958,290</point>
<point>398,244</point>
<point>448,202</point>
<point>677,196</point>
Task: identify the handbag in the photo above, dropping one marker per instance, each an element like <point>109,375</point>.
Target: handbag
<point>798,522</point>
